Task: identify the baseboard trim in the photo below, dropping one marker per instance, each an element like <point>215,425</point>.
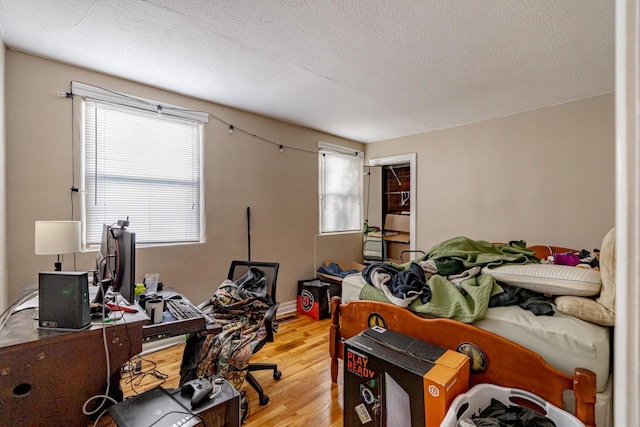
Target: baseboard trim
<point>288,307</point>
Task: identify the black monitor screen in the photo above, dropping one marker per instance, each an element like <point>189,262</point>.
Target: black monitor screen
<point>117,260</point>
<point>125,277</point>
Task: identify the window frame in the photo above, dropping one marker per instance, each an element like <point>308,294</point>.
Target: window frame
<point>325,147</point>
<point>140,106</point>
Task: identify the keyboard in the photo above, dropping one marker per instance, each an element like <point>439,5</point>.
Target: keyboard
<point>182,309</point>
<point>188,318</point>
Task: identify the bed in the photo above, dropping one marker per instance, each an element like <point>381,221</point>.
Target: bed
<point>547,355</point>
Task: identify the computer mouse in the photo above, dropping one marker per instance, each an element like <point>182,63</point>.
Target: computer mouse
<point>176,296</point>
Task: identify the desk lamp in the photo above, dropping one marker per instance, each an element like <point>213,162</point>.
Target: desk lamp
<point>57,238</point>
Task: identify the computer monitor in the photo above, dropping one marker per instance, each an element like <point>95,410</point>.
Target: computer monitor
<point>125,277</point>
<point>116,260</point>
<point>105,264</point>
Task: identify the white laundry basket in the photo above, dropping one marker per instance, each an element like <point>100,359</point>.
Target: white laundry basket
<point>479,397</point>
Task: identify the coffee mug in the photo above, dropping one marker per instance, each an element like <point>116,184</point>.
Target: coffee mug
<point>154,309</point>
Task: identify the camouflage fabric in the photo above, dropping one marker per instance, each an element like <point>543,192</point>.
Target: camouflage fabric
<point>240,311</point>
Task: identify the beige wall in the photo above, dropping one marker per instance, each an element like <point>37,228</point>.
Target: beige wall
<point>3,211</point>
<point>240,171</point>
<point>545,176</point>
<point>338,247</point>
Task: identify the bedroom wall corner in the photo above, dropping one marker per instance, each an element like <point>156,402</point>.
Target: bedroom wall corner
<point>4,275</point>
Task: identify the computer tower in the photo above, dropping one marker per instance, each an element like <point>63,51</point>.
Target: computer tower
<point>64,300</point>
<point>223,411</point>
<point>170,408</point>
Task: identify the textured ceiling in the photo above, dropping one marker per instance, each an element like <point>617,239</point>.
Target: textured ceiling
<point>367,70</point>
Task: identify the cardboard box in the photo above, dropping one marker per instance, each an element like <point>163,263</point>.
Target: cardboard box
<point>391,379</point>
<point>400,223</point>
<point>394,251</point>
<point>314,296</point>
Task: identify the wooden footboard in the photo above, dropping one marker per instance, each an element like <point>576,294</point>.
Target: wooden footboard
<point>494,359</point>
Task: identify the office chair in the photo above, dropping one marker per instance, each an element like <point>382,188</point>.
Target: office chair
<point>236,271</point>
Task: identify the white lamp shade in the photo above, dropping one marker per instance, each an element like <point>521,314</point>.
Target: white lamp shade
<point>57,237</point>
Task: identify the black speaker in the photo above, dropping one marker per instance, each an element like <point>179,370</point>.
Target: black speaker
<point>64,300</point>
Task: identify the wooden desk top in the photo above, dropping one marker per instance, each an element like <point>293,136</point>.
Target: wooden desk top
<point>21,329</point>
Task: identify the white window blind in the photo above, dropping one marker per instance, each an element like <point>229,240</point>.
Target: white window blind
<point>340,191</point>
<point>144,166</point>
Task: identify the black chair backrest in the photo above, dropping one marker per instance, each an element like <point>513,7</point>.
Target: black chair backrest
<point>240,268</point>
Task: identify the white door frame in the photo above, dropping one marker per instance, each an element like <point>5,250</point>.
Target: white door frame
<point>404,159</point>
<point>627,330</point>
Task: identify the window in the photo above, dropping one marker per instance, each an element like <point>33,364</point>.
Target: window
<point>340,189</point>
<point>141,161</point>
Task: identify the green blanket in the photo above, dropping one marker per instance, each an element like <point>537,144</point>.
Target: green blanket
<point>446,300</point>
<point>481,253</point>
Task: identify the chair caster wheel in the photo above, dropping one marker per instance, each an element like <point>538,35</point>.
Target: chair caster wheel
<point>277,375</point>
<point>264,399</point>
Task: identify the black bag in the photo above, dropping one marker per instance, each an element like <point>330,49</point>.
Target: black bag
<point>314,296</point>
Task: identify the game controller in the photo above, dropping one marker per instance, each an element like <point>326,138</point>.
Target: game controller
<point>199,390</point>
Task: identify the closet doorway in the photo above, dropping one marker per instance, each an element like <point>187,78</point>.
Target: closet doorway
<point>392,182</point>
<point>396,189</point>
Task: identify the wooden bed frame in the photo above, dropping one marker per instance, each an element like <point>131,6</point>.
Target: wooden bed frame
<point>496,360</point>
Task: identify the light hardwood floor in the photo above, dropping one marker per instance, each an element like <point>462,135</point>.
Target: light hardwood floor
<point>304,396</point>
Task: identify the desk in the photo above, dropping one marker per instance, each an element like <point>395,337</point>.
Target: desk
<point>46,376</point>
<point>171,326</point>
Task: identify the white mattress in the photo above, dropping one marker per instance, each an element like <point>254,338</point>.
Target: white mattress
<point>563,341</point>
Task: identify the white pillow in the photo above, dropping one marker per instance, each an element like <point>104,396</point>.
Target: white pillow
<point>608,268</point>
<point>586,309</point>
<point>549,279</point>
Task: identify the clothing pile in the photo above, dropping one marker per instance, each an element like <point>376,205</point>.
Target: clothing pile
<point>584,259</point>
<point>400,286</point>
<point>447,281</point>
<point>498,414</point>
<point>240,308</point>
<point>334,269</point>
